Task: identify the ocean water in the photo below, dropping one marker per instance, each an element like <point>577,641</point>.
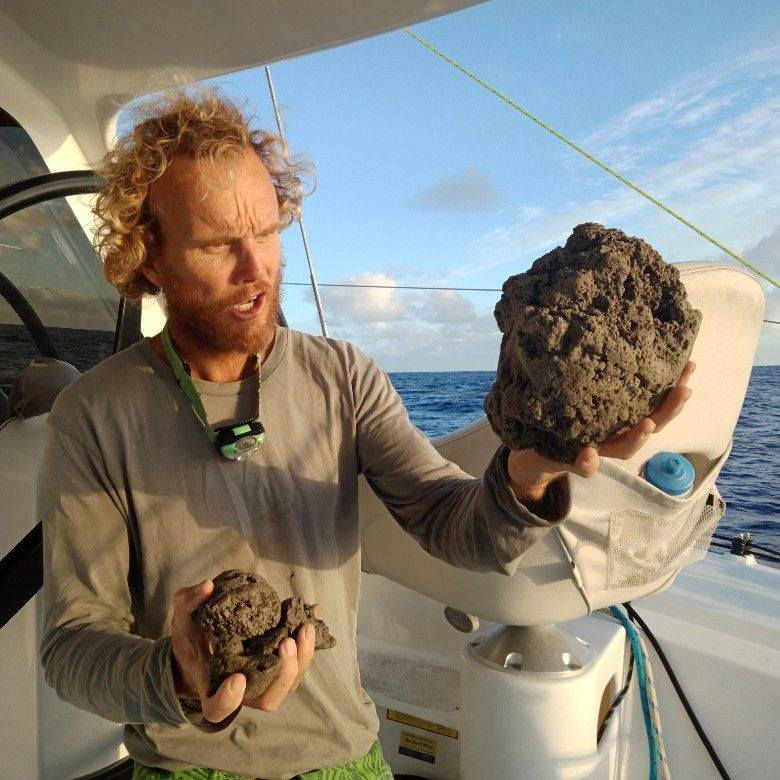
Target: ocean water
<point>80,348</point>
<point>441,402</point>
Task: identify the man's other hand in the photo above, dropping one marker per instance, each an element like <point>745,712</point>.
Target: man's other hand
<point>192,648</point>
<point>296,655</point>
<point>530,473</point>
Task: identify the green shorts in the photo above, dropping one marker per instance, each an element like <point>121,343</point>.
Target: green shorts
<point>371,767</point>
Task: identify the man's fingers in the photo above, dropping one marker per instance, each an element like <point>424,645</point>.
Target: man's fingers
<point>671,406</point>
<point>274,694</point>
<point>626,445</point>
<point>189,599</point>
<point>675,400</point>
<point>304,638</point>
<point>185,602</point>
<point>316,610</point>
<point>586,463</point>
<point>687,372</point>
<point>226,700</point>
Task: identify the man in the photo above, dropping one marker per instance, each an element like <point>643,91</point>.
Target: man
<point>138,504</point>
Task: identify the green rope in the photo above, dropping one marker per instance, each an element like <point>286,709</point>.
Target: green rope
<point>593,159</point>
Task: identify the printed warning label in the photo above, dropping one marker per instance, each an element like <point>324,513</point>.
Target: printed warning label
<point>426,725</point>
<point>417,746</point>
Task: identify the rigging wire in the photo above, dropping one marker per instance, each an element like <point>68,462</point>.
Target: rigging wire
<point>400,287</point>
<point>415,287</point>
<point>312,277</point>
<point>590,157</point>
<point>728,538</point>
<point>755,552</point>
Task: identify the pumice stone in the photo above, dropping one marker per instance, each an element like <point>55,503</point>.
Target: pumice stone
<point>249,622</point>
<point>595,334</point>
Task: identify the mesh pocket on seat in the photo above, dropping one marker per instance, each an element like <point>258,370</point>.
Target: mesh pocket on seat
<point>643,547</point>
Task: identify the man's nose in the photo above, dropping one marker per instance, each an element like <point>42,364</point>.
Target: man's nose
<point>253,261</point>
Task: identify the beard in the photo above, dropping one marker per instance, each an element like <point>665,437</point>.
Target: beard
<point>209,323</point>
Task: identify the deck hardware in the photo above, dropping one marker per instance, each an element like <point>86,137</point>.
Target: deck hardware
<point>740,545</point>
<point>461,621</point>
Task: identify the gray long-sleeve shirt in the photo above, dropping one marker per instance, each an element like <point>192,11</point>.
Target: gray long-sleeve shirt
<point>136,503</point>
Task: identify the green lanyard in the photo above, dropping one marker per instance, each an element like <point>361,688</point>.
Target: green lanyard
<point>235,441</point>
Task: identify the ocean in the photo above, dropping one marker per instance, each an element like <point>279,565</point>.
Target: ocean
<point>441,402</point>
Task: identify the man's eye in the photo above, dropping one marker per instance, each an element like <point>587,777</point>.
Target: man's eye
<point>216,247</point>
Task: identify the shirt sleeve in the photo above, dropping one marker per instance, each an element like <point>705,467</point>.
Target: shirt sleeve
<point>472,523</point>
<point>89,654</point>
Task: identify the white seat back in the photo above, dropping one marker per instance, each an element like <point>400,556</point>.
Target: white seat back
<point>625,538</point>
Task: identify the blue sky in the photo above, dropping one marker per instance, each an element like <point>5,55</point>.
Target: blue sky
<point>423,178</point>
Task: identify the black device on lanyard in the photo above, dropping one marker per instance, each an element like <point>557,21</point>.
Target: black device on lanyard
<point>235,441</point>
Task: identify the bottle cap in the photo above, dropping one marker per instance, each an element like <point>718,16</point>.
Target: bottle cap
<point>670,472</point>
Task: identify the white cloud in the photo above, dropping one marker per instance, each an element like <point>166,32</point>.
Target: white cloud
<point>362,305</point>
<point>688,101</point>
<point>449,306</point>
<point>703,110</point>
<point>412,330</point>
<point>724,180</point>
<point>766,254</point>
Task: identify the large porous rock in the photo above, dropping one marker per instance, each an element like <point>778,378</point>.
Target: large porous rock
<point>596,333</point>
<point>249,621</point>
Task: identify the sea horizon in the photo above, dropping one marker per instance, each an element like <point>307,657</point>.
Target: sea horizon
<point>441,402</point>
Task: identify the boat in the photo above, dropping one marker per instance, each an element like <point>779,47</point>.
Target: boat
<point>525,674</point>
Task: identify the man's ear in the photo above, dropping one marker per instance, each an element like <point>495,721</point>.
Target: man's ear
<point>153,261</point>
<point>149,270</point>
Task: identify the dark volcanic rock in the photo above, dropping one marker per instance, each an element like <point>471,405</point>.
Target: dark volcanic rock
<point>242,605</point>
<point>249,621</point>
<point>595,335</point>
<point>295,613</point>
<point>260,670</point>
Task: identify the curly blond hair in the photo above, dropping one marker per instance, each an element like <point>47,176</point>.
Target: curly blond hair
<point>199,122</point>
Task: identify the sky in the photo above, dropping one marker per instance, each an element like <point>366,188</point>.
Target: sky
<point>424,178</point>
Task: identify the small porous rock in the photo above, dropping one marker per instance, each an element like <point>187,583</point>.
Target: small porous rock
<point>595,334</point>
<point>260,671</point>
<point>242,605</point>
<point>249,621</point>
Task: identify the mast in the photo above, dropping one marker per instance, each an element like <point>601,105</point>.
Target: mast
<point>312,276</point>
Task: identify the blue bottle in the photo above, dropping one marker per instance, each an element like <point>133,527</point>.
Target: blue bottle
<point>671,472</point>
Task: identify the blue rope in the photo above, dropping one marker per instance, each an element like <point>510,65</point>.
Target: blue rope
<point>642,677</point>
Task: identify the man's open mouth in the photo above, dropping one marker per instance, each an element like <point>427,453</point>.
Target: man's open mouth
<point>247,305</point>
<point>250,306</point>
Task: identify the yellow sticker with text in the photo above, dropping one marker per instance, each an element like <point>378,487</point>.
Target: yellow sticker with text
<point>419,723</point>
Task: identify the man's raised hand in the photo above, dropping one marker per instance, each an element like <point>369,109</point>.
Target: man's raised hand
<point>530,473</point>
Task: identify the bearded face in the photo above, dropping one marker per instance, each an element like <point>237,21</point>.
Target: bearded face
<point>219,263</point>
<point>212,324</point>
